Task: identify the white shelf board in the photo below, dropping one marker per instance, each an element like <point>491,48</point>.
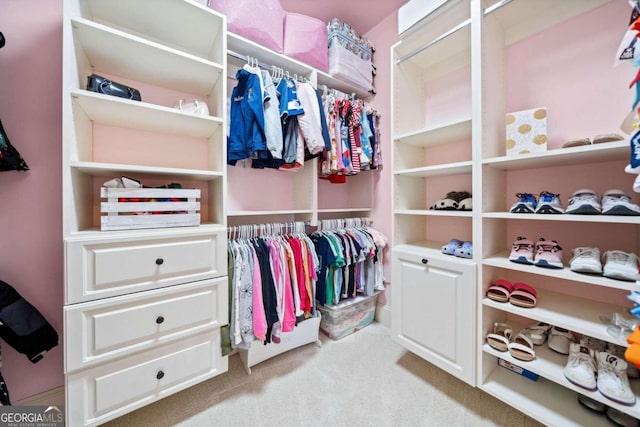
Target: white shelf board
<point>169,23</point>
<point>566,311</point>
<point>550,365</point>
<point>342,210</point>
<point>520,19</point>
<point>96,233</point>
<point>265,213</point>
<point>122,54</point>
<point>502,261</point>
<point>110,169</point>
<point>431,249</point>
<point>427,212</point>
<point>438,170</point>
<point>542,400</point>
<point>114,111</point>
<point>595,153</point>
<point>457,130</point>
<point>243,46</point>
<point>607,219</point>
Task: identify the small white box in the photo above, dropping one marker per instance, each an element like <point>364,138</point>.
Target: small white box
<point>526,131</point>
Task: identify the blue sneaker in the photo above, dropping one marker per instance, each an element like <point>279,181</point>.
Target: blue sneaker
<point>526,203</point>
<point>549,204</point>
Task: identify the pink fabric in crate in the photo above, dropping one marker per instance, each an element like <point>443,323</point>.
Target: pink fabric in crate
<point>261,21</point>
<point>305,39</point>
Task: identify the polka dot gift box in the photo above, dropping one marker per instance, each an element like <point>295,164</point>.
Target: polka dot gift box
<point>526,131</point>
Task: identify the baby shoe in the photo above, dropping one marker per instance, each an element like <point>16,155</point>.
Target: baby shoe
<point>522,251</point>
<point>548,254</point>
<point>549,203</point>
<point>526,203</point>
<point>613,382</point>
<point>621,265</point>
<point>584,202</point>
<point>586,260</point>
<point>581,366</point>
<point>617,202</point>
<point>465,250</point>
<point>450,248</point>
<point>619,351</point>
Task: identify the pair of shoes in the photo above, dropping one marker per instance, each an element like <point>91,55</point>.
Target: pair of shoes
<point>614,415</point>
<point>520,346</point>
<point>458,248</point>
<point>618,264</point>
<point>598,139</point>
<point>546,253</point>
<point>547,203</point>
<point>614,202</point>
<point>454,200</point>
<point>518,294</point>
<point>592,365</point>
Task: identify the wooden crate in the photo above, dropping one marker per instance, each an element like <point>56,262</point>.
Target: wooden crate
<point>135,208</point>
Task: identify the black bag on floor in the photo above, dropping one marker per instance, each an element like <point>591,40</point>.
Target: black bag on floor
<point>22,326</point>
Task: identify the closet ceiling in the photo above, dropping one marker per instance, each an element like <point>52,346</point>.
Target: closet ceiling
<point>363,15</point>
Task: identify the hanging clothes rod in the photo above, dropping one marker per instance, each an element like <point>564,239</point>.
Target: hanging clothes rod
<point>452,31</point>
<point>256,62</point>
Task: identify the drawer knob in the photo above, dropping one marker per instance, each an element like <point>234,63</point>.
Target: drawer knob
<point>159,375</point>
<point>159,261</point>
<point>424,260</point>
<point>159,320</point>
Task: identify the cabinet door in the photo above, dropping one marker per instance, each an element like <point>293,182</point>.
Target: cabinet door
<point>433,312</point>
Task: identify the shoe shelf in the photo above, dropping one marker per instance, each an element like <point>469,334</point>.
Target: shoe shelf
<point>542,400</point>
<point>550,365</point>
<point>606,219</point>
<point>596,153</point>
<point>201,38</point>
<point>141,59</point>
<point>502,261</point>
<point>571,312</point>
<point>427,212</point>
<point>119,112</point>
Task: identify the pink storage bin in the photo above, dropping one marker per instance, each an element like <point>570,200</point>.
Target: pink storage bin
<point>261,21</point>
<point>305,39</point>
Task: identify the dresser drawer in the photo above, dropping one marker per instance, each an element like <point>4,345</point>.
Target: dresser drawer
<point>98,331</point>
<point>108,267</point>
<point>109,390</point>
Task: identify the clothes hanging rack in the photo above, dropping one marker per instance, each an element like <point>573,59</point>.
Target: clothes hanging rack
<point>341,223</point>
<point>250,231</point>
<point>452,31</point>
<point>338,93</point>
<point>255,62</point>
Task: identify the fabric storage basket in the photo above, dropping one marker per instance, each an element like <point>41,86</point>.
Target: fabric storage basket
<point>348,316</point>
<point>350,55</point>
<point>136,208</point>
<point>305,39</point>
<point>261,21</point>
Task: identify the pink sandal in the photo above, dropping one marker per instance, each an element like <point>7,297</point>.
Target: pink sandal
<point>500,290</point>
<point>523,295</point>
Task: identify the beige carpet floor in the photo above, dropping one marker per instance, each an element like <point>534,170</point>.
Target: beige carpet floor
<point>364,379</point>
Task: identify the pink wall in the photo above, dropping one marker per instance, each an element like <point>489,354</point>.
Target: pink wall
<point>31,253</point>
<point>383,36</point>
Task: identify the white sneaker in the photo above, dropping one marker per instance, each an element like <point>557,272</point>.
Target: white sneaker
<point>617,202</point>
<point>581,366</point>
<point>612,379</point>
<point>586,260</point>
<point>618,351</point>
<point>584,202</point>
<point>560,340</point>
<point>621,265</point>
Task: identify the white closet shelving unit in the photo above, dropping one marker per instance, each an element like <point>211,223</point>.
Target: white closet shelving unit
<point>485,43</point>
<point>143,308</point>
<point>308,202</point>
<point>433,294</point>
